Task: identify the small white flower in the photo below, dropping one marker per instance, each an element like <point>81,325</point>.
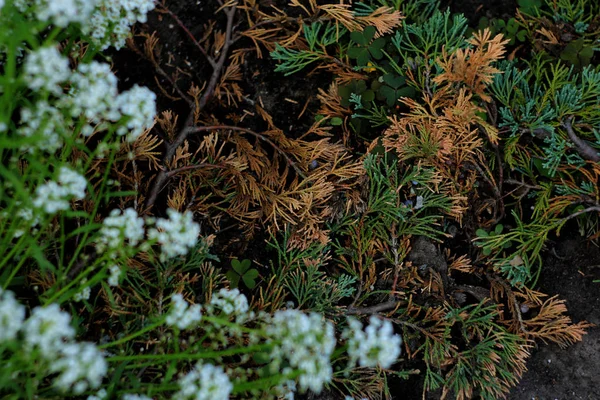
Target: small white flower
<point>45,69</point>
<point>100,395</point>
<point>135,397</point>
<point>111,22</point>
<point>115,275</point>
<point>230,302</point>
<point>73,182</point>
<point>204,382</point>
<point>84,293</point>
<point>58,12</point>
<point>52,197</point>
<point>92,94</point>
<point>120,230</point>
<point>377,345</point>
<point>138,107</point>
<point>12,315</point>
<point>176,235</point>
<point>46,329</point>
<point>80,365</point>
<point>306,342</point>
<point>44,122</point>
<point>182,314</point>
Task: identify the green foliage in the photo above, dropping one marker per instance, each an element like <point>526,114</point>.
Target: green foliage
<point>529,6</point>
<point>424,41</point>
<point>241,270</point>
<point>510,29</point>
<point>313,290</point>
<point>578,53</point>
<point>392,88</point>
<point>484,234</point>
<point>363,48</point>
<point>318,36</point>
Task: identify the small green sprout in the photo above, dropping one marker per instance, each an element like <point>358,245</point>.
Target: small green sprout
<point>487,249</point>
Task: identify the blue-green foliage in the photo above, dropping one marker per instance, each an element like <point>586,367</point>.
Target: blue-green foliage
<point>318,36</point>
<point>426,40</point>
<point>538,100</point>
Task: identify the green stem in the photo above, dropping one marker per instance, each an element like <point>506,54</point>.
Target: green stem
<point>194,356</point>
<point>133,335</point>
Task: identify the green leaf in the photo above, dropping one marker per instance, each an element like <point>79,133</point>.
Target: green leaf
<point>389,94</point>
<point>250,278</point>
<point>233,278</point>
<point>240,267</point>
<point>358,37</point>
<point>336,121</point>
<point>355,52</point>
<point>487,251</point>
<point>499,229</point>
<point>368,96</point>
<point>395,81</point>
<point>363,58</point>
<point>481,233</point>
<point>368,33</point>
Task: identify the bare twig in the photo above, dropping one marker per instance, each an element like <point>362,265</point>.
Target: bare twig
<point>377,308</point>
<point>585,150</point>
<point>210,60</point>
<point>584,211</point>
<point>163,176</point>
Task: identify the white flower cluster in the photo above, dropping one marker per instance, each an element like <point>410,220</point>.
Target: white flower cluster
<point>230,302</point>
<point>43,120</point>
<point>119,231</point>
<point>115,275</point>
<point>112,21</point>
<point>84,293</point>
<point>306,342</point>
<point>46,69</point>
<point>176,235</point>
<point>204,382</point>
<point>52,196</point>
<point>93,92</point>
<point>377,345</point>
<point>80,365</point>
<point>12,315</point>
<point>138,108</point>
<point>48,332</point>
<point>182,314</point>
<point>58,12</point>
<point>135,397</point>
<point>47,329</point>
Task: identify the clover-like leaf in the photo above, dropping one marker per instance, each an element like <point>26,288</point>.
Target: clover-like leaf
<point>250,278</point>
<point>240,267</point>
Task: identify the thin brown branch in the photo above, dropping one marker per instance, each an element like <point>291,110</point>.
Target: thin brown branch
<point>163,176</point>
<point>584,211</point>
<point>585,150</point>
<point>210,60</point>
<point>376,309</point>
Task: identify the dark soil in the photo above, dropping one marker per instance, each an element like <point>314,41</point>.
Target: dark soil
<point>570,268</point>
